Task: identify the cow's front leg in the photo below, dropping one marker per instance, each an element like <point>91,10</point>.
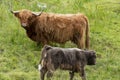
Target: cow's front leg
<point>42,73</point>
<point>82,73</point>
<point>38,43</point>
<point>42,39</point>
<point>38,39</point>
<point>71,75</point>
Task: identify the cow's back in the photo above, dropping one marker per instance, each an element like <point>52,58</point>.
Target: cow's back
<point>60,27</point>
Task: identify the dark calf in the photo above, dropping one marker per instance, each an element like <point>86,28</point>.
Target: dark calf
<point>72,59</point>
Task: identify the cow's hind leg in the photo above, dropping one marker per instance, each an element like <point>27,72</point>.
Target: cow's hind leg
<point>42,73</point>
<point>78,39</point>
<point>81,42</point>
<point>71,75</point>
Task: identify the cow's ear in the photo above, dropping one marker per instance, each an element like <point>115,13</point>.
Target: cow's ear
<point>47,47</point>
<point>16,14</point>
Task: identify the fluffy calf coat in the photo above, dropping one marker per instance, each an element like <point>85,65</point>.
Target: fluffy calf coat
<point>48,27</point>
<point>72,59</point>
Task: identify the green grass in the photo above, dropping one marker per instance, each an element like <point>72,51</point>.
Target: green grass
<point>19,56</point>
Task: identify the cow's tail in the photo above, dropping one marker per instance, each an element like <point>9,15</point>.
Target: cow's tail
<point>87,40</point>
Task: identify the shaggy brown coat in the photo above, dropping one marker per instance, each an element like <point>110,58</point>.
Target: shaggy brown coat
<point>55,27</point>
<point>72,59</point>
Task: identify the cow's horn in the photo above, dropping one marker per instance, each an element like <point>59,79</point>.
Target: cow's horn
<point>37,13</point>
<point>14,12</point>
<point>10,6</point>
<point>11,10</point>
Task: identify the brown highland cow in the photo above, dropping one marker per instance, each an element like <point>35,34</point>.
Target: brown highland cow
<point>48,27</point>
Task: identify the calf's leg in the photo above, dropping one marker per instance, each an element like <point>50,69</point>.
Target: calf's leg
<point>82,73</point>
<point>71,75</point>
<point>42,73</point>
<point>49,75</point>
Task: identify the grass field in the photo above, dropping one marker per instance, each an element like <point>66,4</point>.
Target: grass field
<point>19,56</point>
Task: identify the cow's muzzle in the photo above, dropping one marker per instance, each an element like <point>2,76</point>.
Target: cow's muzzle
<point>24,25</point>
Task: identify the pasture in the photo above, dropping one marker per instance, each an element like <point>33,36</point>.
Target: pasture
<point>19,56</point>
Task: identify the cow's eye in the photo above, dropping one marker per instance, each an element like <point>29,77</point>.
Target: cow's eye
<point>19,17</point>
<point>29,18</point>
